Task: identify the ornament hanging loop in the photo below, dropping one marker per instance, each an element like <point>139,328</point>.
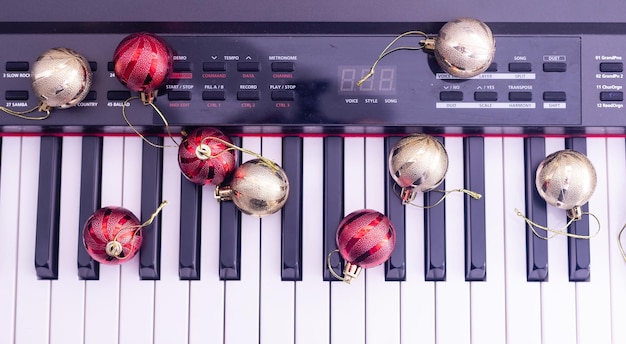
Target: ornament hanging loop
<point>154,215</point>
<point>350,271</point>
<point>425,43</point>
<point>42,107</point>
<point>114,248</point>
<point>407,195</point>
<point>619,242</point>
<point>147,99</point>
<point>573,214</point>
<point>207,152</point>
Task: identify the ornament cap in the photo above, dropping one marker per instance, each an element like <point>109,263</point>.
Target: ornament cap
<point>147,97</point>
<point>203,151</point>
<point>351,272</point>
<point>223,193</point>
<point>407,195</point>
<point>575,213</point>
<point>114,248</point>
<point>429,44</point>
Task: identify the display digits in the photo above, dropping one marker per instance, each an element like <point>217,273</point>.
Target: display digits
<point>387,78</point>
<point>367,85</point>
<point>348,80</point>
<point>384,81</point>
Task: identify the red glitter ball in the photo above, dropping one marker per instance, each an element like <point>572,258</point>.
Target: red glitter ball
<point>110,224</point>
<point>203,159</point>
<point>143,62</point>
<point>366,238</point>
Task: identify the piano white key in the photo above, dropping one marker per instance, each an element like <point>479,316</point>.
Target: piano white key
<point>417,307</point>
<point>523,299</point>
<point>558,295</point>
<point>312,293</point>
<point>33,295</point>
<point>452,295</point>
<point>593,302</point>
<point>67,300</point>
<point>206,296</point>
<point>103,295</point>
<point>241,319</point>
<point>171,295</point>
<point>488,308</point>
<point>136,295</point>
<point>616,185</point>
<point>9,208</point>
<point>277,296</point>
<point>382,299</point>
<point>348,300</point>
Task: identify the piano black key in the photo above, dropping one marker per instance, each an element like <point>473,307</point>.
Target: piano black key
<point>395,266</point>
<point>230,235</point>
<point>435,234</point>
<point>48,208</point>
<point>190,234</point>
<point>578,249</point>
<point>90,187</point>
<point>292,211</point>
<point>536,248</point>
<point>151,194</point>
<point>475,221</point>
<point>333,202</point>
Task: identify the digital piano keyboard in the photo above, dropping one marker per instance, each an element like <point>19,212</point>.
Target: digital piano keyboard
<point>279,78</point>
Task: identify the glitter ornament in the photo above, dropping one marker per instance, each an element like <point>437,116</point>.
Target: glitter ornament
<point>566,179</point>
<point>258,187</point>
<point>464,47</point>
<point>365,238</point>
<point>143,63</point>
<point>111,235</point>
<point>418,163</point>
<point>206,157</point>
<point>61,78</point>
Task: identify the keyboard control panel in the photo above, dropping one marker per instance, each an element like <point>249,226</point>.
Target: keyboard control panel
<point>289,81</point>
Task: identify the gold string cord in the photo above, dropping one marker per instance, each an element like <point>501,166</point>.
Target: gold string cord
<point>562,230</point>
<point>231,146</point>
<point>472,194</point>
<point>388,51</point>
<point>22,114</point>
<point>619,242</point>
<point>148,102</point>
<point>136,229</point>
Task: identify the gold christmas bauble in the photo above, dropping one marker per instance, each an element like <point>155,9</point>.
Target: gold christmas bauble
<point>258,188</point>
<point>418,163</point>
<point>61,78</point>
<point>465,47</point>
<point>566,179</point>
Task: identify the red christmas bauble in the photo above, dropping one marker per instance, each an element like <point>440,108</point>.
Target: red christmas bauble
<point>111,235</point>
<point>143,62</point>
<point>366,238</point>
<point>204,159</point>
